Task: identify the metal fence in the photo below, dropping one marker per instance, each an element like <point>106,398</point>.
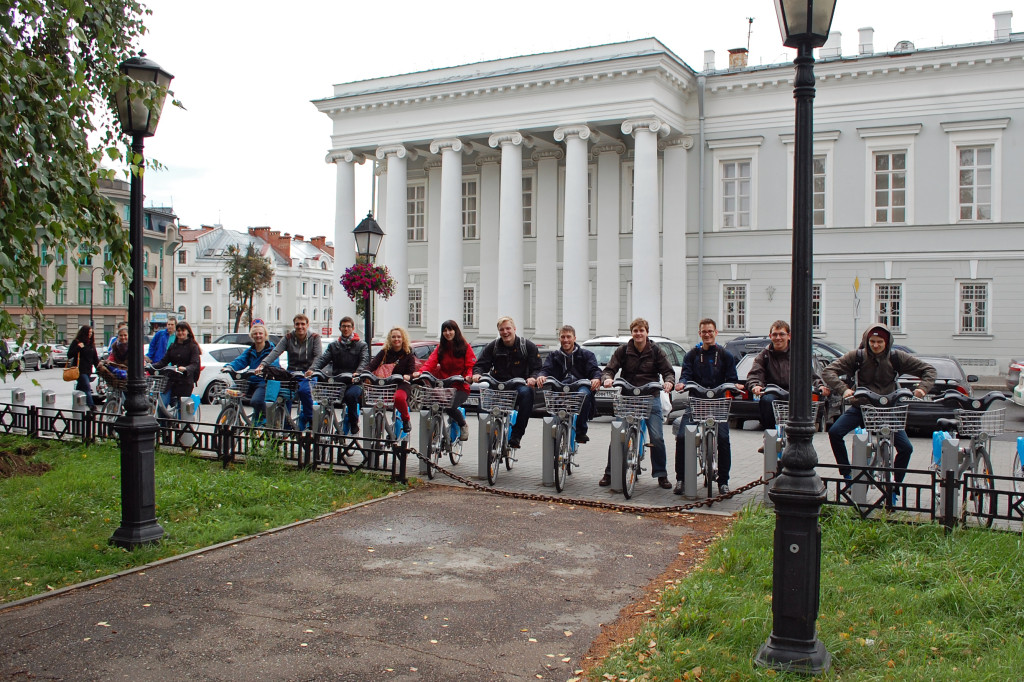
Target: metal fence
<point>333,452</point>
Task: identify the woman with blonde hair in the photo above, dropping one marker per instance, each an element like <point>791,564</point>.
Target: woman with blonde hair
<point>396,359</point>
<point>251,359</point>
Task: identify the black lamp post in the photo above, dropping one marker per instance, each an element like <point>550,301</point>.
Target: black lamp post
<point>798,492</point>
<point>368,236</point>
<point>92,297</point>
<point>140,99</point>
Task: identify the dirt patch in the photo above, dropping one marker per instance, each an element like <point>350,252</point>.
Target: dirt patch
<point>17,463</point>
<point>704,529</point>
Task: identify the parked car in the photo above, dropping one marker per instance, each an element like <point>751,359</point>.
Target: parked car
<point>603,347</point>
<point>821,348</point>
<point>472,403</point>
<point>54,355</point>
<point>949,374</point>
<point>243,339</point>
<point>212,359</point>
<point>1013,373</point>
<point>745,408</point>
<point>23,357</point>
<point>1018,391</point>
<point>421,349</point>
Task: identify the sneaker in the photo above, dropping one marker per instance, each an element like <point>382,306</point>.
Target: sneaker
<point>353,429</point>
<point>605,481</point>
<point>464,432</point>
<point>678,490</point>
<point>582,438</point>
<point>514,443</point>
<point>664,483</point>
<point>723,489</point>
<point>761,449</point>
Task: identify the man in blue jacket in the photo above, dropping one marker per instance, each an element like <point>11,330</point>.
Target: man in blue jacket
<point>571,363</point>
<point>162,339</point>
<point>709,365</point>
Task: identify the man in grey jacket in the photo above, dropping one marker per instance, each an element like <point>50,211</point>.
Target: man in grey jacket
<point>303,347</point>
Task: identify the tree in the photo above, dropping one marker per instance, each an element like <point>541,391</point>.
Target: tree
<point>59,60</point>
<point>250,274</point>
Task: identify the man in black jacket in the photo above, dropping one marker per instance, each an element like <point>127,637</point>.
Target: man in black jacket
<point>346,355</point>
<point>507,357</point>
<point>571,363</point>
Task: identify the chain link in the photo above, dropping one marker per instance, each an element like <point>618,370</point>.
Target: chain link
<point>597,504</point>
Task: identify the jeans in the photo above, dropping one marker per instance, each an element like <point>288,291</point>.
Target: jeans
<point>724,451</point>
<point>85,387</point>
<point>352,396</point>
<point>850,420</point>
<point>453,411</point>
<point>524,406</point>
<point>171,402</point>
<point>586,412</point>
<point>259,395</point>
<point>656,437</point>
<point>765,411</point>
<point>305,405</point>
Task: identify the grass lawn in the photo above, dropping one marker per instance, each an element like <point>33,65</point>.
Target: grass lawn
<point>898,602</point>
<point>54,527</point>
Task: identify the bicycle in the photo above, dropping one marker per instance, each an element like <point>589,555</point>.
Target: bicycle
<point>329,392</point>
<point>709,407</point>
<point>884,416</point>
<point>279,416</point>
<point>435,396</point>
<point>379,395</point>
<point>564,401</point>
<point>113,406</point>
<point>976,422</point>
<point>1017,466</point>
<point>780,408</point>
<point>233,400</point>
<point>633,406</point>
<point>499,399</point>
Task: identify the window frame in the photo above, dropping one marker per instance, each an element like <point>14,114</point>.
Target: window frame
<point>732,150</point>
<point>418,301</point>
<point>886,318</point>
<point>473,211</point>
<point>986,133</point>
<point>470,320</point>
<point>824,145</point>
<point>416,232</point>
<point>889,139</point>
<point>986,285</point>
<point>724,300</point>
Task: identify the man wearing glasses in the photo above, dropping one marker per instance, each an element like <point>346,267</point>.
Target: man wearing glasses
<point>709,365</point>
<point>771,366</point>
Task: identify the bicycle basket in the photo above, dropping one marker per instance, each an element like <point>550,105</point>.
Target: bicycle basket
<point>156,384</point>
<point>426,396</point>
<point>117,384</point>
<point>638,406</point>
<point>971,423</point>
<point>878,418</point>
<point>327,393</point>
<point>238,389</point>
<point>571,402</point>
<point>379,395</point>
<point>781,410</point>
<point>715,408</point>
<point>503,401</point>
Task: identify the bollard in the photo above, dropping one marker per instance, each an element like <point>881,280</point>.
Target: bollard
<point>949,461</point>
<point>318,418</point>
<point>617,453</point>
<point>189,415</point>
<point>771,460</point>
<point>690,439</point>
<point>937,438</point>
<point>482,443</point>
<point>861,443</point>
<point>424,440</point>
<point>19,408</point>
<point>49,405</point>
<point>548,443</point>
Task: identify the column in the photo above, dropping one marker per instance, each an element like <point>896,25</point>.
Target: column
<point>674,323</point>
<point>545,219</point>
<point>344,222</point>
<point>609,218</point>
<point>394,311</point>
<point>487,299</point>
<point>646,260</point>
<point>449,271</point>
<point>510,225</point>
<point>575,246</point>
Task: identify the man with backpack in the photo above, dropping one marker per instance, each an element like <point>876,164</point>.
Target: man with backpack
<point>510,356</point>
<point>876,366</point>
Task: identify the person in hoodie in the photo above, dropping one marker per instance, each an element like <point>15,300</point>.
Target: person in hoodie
<point>876,366</point>
<point>571,363</point>
<point>709,365</point>
<point>346,355</point>
<point>452,357</point>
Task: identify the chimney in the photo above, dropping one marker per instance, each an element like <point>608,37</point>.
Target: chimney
<point>833,47</point>
<point>1002,24</point>
<point>867,40</point>
<point>321,243</point>
<point>299,238</point>
<point>709,60</point>
<point>282,243</point>
<point>738,58</point>
<point>259,232</point>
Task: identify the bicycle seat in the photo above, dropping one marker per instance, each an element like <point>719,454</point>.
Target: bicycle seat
<point>552,384</point>
<point>720,391</point>
<point>651,388</point>
<point>946,424</point>
<point>977,403</point>
<point>866,396</point>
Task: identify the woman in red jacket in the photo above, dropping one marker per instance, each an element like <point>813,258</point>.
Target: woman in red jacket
<point>453,357</point>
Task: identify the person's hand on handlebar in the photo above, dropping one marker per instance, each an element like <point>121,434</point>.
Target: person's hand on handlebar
<point>309,373</point>
<point>757,390</point>
<point>668,386</point>
<point>259,370</point>
<point>680,386</point>
<point>540,381</point>
<point>607,383</point>
<point>847,393</point>
<point>416,375</point>
<point>595,384</point>
<point>531,382</point>
<point>918,393</point>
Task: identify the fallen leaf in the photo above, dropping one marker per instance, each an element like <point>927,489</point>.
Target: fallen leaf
<point>567,633</point>
<point>103,623</point>
<point>532,640</point>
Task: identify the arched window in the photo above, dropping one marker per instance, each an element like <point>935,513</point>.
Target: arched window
<point>278,314</point>
<point>207,313</point>
<point>323,265</point>
<point>181,313</point>
<point>314,314</point>
<point>146,296</point>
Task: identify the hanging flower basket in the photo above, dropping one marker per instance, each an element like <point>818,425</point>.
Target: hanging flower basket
<point>362,279</point>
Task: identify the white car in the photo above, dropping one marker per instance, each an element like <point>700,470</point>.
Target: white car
<point>212,381</point>
<point>1018,391</point>
<point>603,347</point>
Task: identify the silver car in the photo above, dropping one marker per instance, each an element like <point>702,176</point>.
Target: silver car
<point>23,357</point>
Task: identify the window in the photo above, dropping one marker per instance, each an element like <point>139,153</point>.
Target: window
<point>278,313</point>
<point>303,288</point>
<point>734,307</point>
<point>314,314</point>
<point>889,305</point>
<point>890,187</point>
<point>528,306</point>
<point>207,313</point>
<point>315,288</point>
<point>416,212</point>
<point>816,301</point>
<point>415,307</point>
<point>85,257</point>
<point>734,184</point>
<point>84,294</point>
<point>182,284</point>
<point>975,180</point>
<point>973,318</point>
<point>61,296</point>
<point>818,195</point>
<point>469,307</point>
<point>181,311</point>
<point>207,284</point>
<point>108,295</point>
<point>528,224</point>
<point>736,193</point>
<point>182,258</point>
<point>279,286</point>
<point>469,214</point>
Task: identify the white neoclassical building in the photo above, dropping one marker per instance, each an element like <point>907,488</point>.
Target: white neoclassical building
<point>594,185</point>
<point>303,280</point>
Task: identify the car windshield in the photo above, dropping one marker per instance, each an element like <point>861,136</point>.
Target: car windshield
<point>602,351</point>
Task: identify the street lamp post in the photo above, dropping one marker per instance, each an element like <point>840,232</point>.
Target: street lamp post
<point>139,100</point>
<point>798,492</point>
<point>368,235</point>
<point>92,296</point>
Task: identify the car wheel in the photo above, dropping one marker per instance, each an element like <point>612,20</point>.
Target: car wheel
<point>214,392</point>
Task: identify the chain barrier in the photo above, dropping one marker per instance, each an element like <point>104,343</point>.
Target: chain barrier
<point>597,504</point>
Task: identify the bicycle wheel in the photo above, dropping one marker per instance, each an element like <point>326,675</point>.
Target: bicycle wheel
<point>561,458</point>
<point>506,451</point>
<point>631,462</point>
<point>710,446</point>
<point>1017,472</point>
<point>494,450</point>
<point>111,410</point>
<point>980,494</point>
<point>228,415</point>
<point>454,443</point>
<point>434,446</point>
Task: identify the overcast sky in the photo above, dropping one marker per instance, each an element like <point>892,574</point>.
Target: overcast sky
<point>249,148</point>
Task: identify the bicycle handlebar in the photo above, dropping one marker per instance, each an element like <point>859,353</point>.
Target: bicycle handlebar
<point>506,385</point>
<point>428,379</point>
<point>976,403</point>
<point>341,378</point>
<point>650,388</point>
<point>720,391</point>
<point>865,396</point>
<point>552,384</point>
<point>370,377</point>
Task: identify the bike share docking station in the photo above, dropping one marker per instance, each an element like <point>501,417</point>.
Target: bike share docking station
<point>548,445</point>
<point>691,436</point>
<point>483,429</point>
<point>617,453</point>
<point>424,441</point>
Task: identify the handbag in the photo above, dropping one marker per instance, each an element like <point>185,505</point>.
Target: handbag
<point>385,369</point>
<point>70,372</point>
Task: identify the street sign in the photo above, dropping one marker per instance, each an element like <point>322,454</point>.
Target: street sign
<point>325,331</point>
